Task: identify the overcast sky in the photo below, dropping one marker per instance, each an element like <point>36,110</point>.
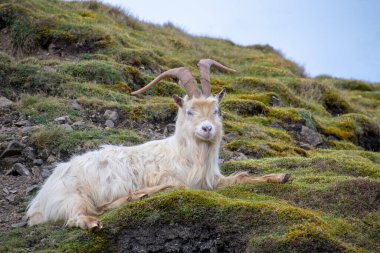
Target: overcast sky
<point>336,37</point>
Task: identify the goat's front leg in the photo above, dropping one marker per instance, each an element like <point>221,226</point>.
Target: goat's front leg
<point>245,178</point>
<point>134,196</point>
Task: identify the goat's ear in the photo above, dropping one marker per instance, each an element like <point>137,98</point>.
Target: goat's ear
<point>221,94</point>
<point>178,100</point>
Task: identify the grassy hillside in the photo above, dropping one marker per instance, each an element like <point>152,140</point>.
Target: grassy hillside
<point>325,131</point>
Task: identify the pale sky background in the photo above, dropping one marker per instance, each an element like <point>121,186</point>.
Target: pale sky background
<point>337,37</point>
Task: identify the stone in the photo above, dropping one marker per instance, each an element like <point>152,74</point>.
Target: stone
<point>38,162</point>
<point>110,123</point>
<point>36,171</point>
<point>45,153</point>
<point>230,137</point>
<point>240,156</point>
<point>310,136</point>
<point>5,190</point>
<point>26,130</point>
<point>63,120</point>
<point>79,125</point>
<point>305,146</point>
<point>25,139</point>
<point>276,125</point>
<point>51,159</point>
<point>111,115</point>
<point>45,173</point>
<point>8,162</point>
<point>21,169</point>
<point>28,153</point>
<point>332,138</point>
<point>11,198</point>
<point>275,101</point>
<point>23,123</point>
<point>5,102</point>
<point>13,148</point>
<point>67,127</point>
<point>169,130</point>
<point>30,189</point>
<point>75,105</point>
<point>19,225</point>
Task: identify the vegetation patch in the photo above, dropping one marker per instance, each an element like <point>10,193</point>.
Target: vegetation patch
<point>43,110</point>
<point>152,112</point>
<point>335,163</point>
<point>60,141</point>
<point>101,72</point>
<point>246,107</point>
<point>302,238</point>
<point>357,128</point>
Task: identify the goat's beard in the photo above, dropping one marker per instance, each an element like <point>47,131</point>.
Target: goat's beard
<point>215,138</point>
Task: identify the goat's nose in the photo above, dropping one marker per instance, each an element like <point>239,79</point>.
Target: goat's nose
<point>207,129</point>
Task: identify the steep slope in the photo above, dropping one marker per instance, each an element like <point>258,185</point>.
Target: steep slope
<point>81,59</point>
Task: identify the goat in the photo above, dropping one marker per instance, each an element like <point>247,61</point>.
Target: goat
<point>89,184</point>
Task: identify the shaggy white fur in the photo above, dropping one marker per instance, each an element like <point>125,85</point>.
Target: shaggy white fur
<point>99,180</point>
<point>99,177</point>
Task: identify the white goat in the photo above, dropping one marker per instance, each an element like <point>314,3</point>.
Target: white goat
<point>91,183</point>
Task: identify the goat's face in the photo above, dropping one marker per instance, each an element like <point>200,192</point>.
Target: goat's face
<point>199,113</point>
<point>200,117</point>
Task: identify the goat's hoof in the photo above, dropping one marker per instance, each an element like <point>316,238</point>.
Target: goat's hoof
<point>94,224</point>
<point>286,178</point>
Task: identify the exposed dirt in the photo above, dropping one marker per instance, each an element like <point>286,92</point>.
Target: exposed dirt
<point>179,238</point>
<point>15,193</point>
<point>15,189</point>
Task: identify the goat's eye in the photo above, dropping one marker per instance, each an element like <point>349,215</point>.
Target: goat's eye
<point>189,113</point>
<point>216,112</point>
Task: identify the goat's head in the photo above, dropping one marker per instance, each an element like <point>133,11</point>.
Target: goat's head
<point>199,113</point>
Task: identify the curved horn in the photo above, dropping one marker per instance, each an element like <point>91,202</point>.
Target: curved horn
<point>204,66</point>
<point>185,77</point>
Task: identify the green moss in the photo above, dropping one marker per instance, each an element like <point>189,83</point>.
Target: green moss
<point>166,89</point>
<point>58,140</point>
<point>287,115</point>
<point>105,72</point>
<point>335,104</point>
<point>152,112</point>
<point>353,85</point>
<point>255,130</point>
<point>31,78</point>
<point>347,197</point>
<point>46,238</point>
<point>19,20</point>
<point>245,107</point>
<point>96,71</point>
<point>302,238</point>
<point>341,145</point>
<point>92,93</point>
<point>264,97</point>
<point>218,85</point>
<point>43,110</point>
<point>336,163</point>
<point>357,128</point>
<point>266,71</point>
<point>257,150</point>
<point>138,57</point>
